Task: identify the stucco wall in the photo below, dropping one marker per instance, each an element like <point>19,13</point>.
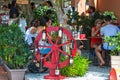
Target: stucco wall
<point>110,5</point>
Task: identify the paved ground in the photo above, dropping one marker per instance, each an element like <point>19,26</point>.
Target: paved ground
<point>94,73</point>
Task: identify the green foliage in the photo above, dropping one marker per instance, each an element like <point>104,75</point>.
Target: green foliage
<point>49,12</point>
<point>97,15</point>
<point>114,41</point>
<point>84,21</point>
<point>13,50</point>
<point>22,16</point>
<point>79,67</point>
<point>111,14</point>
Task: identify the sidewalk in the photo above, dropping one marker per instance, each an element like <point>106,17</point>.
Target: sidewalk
<point>94,73</point>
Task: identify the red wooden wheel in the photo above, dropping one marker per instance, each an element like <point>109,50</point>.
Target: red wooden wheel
<point>55,47</point>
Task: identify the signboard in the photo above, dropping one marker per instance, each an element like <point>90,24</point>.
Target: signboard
<point>22,1</point>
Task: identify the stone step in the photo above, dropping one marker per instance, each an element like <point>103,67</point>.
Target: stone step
<point>3,74</point>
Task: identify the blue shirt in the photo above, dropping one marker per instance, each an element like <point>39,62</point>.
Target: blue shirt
<point>119,27</point>
<point>109,30</point>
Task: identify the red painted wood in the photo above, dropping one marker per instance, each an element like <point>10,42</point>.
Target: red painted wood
<point>56,51</point>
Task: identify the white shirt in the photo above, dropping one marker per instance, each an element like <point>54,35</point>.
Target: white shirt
<point>28,36</point>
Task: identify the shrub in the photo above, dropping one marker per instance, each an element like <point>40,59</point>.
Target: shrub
<point>13,49</point>
<point>78,68</point>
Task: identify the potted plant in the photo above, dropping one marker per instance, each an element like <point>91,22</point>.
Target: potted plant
<point>13,51</point>
<point>115,53</point>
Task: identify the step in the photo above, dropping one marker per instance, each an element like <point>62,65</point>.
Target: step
<point>35,76</point>
<point>3,73</point>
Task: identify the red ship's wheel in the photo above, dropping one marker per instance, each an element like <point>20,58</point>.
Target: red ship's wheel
<point>56,51</point>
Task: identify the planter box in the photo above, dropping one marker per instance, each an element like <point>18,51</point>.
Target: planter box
<point>15,74</point>
<point>115,61</point>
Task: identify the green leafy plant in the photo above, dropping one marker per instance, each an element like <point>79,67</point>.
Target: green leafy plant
<point>110,13</point>
<point>13,50</point>
<point>85,21</point>
<point>49,12</point>
<point>114,41</point>
<point>22,15</point>
<point>78,68</point>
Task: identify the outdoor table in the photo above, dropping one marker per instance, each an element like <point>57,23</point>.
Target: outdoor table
<point>80,41</point>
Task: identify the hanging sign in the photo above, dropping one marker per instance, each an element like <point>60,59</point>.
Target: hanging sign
<point>22,1</point>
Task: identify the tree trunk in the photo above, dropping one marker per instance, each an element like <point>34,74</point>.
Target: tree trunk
<point>57,4</point>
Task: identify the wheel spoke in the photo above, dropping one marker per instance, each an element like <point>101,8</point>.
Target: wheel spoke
<point>63,52</point>
<point>64,44</point>
<point>49,39</point>
<point>48,54</point>
<point>57,40</point>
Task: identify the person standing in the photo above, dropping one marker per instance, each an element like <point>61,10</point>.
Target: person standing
<point>91,10</point>
<point>14,13</point>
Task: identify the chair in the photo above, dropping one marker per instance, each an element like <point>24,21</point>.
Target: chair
<point>107,57</point>
<point>107,53</point>
<point>93,57</point>
<point>94,41</point>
